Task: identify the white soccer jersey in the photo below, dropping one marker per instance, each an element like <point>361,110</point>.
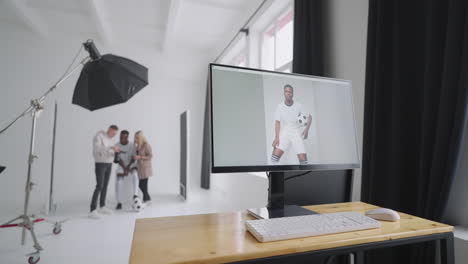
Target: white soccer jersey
<point>287,115</point>
<point>126,153</point>
<point>290,130</point>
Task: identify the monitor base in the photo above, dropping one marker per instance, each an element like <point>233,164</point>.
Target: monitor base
<point>289,210</point>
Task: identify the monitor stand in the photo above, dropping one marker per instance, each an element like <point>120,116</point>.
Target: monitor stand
<point>276,207</point>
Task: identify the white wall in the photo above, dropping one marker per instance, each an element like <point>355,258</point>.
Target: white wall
<point>29,66</point>
<point>345,57</point>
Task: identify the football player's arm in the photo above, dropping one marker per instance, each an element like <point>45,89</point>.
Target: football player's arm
<point>305,133</point>
<point>309,122</point>
<point>121,163</point>
<point>277,130</point>
<point>130,164</point>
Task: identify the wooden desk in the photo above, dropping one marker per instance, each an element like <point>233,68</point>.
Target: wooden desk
<point>221,238</point>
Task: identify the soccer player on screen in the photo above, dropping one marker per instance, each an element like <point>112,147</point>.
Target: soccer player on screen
<point>291,128</point>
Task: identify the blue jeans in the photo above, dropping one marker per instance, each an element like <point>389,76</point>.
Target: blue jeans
<point>103,172</point>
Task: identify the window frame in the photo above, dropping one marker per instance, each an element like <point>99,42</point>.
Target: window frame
<point>274,22</point>
<point>237,48</point>
<point>241,53</point>
<point>253,36</point>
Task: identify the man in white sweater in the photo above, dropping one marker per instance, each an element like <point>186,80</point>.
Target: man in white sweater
<point>103,152</point>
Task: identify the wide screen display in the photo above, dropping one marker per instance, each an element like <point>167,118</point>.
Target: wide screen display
<point>269,121</point>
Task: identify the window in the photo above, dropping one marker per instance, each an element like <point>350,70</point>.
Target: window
<point>268,44</point>
<point>239,59</point>
<point>236,55</point>
<point>277,43</point>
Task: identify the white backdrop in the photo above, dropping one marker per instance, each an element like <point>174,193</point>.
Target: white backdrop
<point>336,123</point>
<point>29,66</point>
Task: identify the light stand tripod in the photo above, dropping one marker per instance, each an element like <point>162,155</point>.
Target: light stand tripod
<point>26,221</point>
<point>106,80</point>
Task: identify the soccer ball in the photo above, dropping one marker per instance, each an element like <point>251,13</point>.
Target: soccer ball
<point>137,204</point>
<point>302,120</point>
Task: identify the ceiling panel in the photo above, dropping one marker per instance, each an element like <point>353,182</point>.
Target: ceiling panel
<point>223,4</point>
<point>207,24</point>
<point>6,15</point>
<point>66,22</point>
<point>199,24</point>
<point>144,12</point>
<point>70,6</point>
<point>197,21</point>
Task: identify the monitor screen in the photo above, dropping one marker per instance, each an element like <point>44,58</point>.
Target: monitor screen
<point>273,121</point>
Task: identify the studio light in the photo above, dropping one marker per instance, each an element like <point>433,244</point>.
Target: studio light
<point>108,80</point>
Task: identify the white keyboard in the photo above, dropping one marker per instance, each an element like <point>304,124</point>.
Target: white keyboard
<point>265,230</point>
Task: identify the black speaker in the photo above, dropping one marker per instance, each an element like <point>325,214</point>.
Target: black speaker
<point>2,169</point>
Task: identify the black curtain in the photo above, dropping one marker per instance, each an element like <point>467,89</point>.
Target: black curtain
<point>415,105</point>
<point>308,59</point>
<point>308,37</point>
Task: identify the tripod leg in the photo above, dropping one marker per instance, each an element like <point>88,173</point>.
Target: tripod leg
<point>27,224</point>
<point>11,221</point>
<point>23,235</point>
<point>37,246</point>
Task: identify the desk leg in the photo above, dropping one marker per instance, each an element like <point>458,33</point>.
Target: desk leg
<point>446,250</point>
<point>358,257</point>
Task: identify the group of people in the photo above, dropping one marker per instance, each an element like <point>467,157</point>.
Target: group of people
<point>133,159</point>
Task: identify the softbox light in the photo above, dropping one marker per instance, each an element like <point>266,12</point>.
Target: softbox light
<point>108,80</point>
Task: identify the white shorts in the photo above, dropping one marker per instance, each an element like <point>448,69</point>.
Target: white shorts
<point>294,139</point>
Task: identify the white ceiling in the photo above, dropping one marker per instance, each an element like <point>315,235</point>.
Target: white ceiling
<point>199,25</point>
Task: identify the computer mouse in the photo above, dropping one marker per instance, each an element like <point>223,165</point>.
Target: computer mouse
<point>384,214</point>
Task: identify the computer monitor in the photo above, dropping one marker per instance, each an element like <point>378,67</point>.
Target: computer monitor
<point>275,122</point>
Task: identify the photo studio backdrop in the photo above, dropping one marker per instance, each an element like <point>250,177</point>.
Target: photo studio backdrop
<point>32,64</point>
